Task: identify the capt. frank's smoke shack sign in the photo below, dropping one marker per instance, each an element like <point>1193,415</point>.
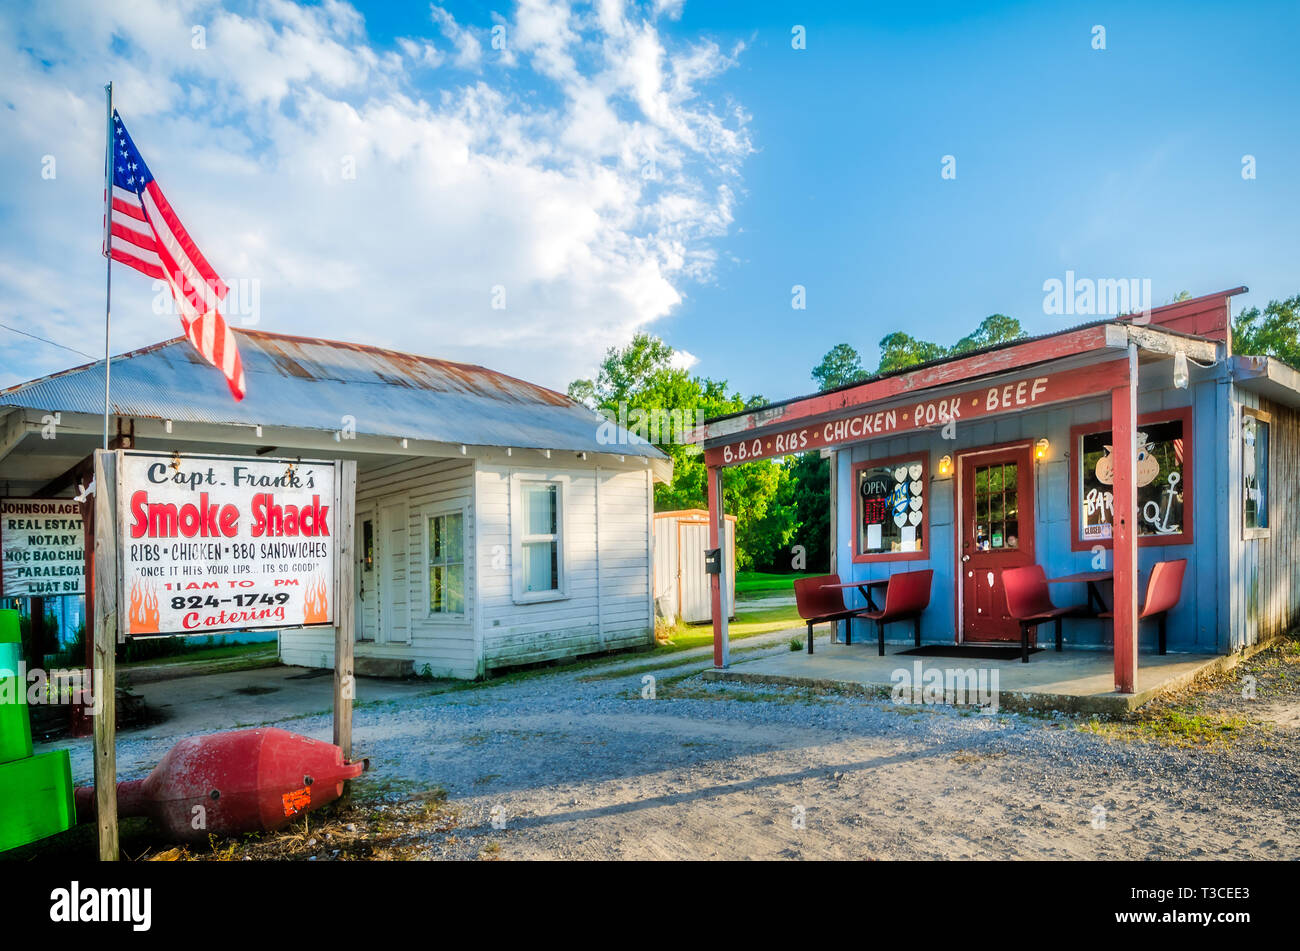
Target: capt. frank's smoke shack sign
<point>214,543</point>
<point>42,548</point>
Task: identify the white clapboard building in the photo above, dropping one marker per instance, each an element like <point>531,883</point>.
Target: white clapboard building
<point>498,523</point>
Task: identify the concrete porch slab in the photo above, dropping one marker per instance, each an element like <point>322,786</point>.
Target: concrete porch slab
<point>1071,681</point>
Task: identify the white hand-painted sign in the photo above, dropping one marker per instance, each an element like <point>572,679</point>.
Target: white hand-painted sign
<point>42,548</point>
<point>212,543</point>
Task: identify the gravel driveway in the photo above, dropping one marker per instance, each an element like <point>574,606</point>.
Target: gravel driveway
<point>577,764</point>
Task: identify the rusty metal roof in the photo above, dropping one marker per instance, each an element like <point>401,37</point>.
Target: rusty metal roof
<point>313,384</point>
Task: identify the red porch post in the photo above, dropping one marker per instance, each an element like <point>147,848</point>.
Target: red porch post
<point>718,539</point>
<point>1123,415</point>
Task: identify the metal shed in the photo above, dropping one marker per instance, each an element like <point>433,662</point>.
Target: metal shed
<point>681,583</point>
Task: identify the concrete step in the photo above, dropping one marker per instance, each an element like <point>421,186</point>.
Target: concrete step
<point>394,667</point>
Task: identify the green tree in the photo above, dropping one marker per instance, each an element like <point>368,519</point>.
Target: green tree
<point>841,366</point>
<point>900,350</point>
<point>641,377</point>
<point>1274,332</point>
<point>993,329</point>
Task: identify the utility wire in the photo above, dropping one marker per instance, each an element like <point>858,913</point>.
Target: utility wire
<point>50,342</point>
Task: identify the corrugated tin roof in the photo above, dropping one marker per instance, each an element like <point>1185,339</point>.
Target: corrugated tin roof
<point>305,383</point>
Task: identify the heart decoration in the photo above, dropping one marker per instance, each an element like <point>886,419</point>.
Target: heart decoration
<point>917,486</point>
<point>915,470</point>
<point>900,520</point>
<point>914,518</point>
<point>900,473</point>
<point>915,503</point>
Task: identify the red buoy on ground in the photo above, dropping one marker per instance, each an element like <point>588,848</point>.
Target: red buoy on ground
<point>232,783</point>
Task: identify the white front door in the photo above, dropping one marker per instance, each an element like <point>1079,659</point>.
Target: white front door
<point>367,575</point>
<point>392,598</point>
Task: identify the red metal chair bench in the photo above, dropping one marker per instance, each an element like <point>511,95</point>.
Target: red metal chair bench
<point>1164,588</point>
<point>1030,603</point>
<point>817,604</point>
<point>906,597</point>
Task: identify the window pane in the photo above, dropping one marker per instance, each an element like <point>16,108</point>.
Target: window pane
<point>890,506</point>
<point>368,544</point>
<point>454,538</point>
<point>455,588</point>
<point>1254,469</point>
<point>539,502</point>
<point>436,593</point>
<point>1159,461</point>
<point>541,566</point>
<point>1012,539</point>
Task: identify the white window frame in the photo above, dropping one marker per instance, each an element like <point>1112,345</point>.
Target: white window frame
<point>517,537</point>
<point>434,511</point>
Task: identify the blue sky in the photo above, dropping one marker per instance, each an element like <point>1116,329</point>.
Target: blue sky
<point>520,174</point>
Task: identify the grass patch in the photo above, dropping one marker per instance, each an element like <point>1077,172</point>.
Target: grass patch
<point>766,583</point>
<point>1172,727</point>
<point>250,652</point>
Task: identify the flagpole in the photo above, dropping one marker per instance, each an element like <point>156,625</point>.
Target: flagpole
<point>108,248</point>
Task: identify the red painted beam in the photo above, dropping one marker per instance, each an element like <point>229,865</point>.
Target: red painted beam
<point>893,416</point>
<point>1123,421</point>
<point>952,371</point>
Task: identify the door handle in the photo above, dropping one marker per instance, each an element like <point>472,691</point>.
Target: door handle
<point>965,558</point>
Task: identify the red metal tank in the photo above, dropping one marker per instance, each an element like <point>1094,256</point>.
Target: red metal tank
<point>244,780</point>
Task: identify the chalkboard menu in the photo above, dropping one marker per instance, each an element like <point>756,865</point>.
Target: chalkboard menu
<point>891,507</point>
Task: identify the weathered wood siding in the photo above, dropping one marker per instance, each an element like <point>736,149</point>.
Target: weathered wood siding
<point>447,646</point>
<point>1199,623</point>
<point>1265,571</point>
<point>607,552</point>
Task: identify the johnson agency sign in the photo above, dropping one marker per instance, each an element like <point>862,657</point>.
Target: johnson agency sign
<point>212,543</point>
<point>42,548</point>
<point>896,417</point>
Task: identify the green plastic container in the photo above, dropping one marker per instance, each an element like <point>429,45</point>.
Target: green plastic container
<point>35,798</point>
<point>15,723</point>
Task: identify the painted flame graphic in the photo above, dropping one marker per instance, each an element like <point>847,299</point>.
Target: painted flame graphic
<point>315,603</point>
<point>143,617</point>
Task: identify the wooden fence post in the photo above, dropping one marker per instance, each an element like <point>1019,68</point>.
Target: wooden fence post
<point>345,500</point>
<point>103,661</point>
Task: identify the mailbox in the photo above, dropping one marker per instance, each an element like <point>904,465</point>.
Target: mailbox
<point>713,561</point>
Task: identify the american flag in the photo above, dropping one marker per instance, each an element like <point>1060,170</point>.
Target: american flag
<point>147,235</point>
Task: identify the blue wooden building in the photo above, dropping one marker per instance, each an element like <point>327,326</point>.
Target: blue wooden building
<point>1103,448</point>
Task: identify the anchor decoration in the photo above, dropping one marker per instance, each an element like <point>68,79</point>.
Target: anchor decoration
<point>1158,520</point>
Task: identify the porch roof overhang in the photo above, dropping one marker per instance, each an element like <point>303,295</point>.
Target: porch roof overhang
<point>1269,377</point>
<point>1040,371</point>
<point>306,397</point>
<point>40,457</point>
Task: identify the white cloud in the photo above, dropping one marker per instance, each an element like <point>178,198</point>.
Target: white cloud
<point>584,172</point>
<point>683,359</point>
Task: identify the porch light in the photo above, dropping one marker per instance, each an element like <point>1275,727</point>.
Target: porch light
<point>1180,370</point>
<point>1040,448</point>
<point>945,466</point>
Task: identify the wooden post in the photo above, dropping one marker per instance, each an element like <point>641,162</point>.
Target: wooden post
<point>103,665</point>
<point>717,583</point>
<point>345,619</point>
<point>1123,415</point>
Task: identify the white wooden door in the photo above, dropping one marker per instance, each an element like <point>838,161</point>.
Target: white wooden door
<point>695,585</point>
<point>367,573</point>
<point>393,596</point>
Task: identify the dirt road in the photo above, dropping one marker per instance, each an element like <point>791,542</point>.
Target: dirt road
<point>580,764</point>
